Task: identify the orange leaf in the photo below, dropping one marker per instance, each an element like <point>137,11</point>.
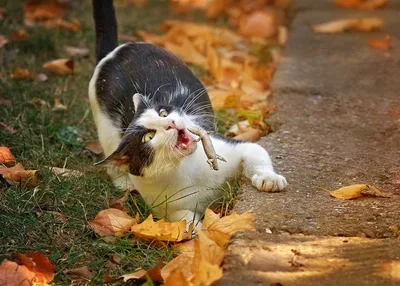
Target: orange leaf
<point>13,274</point>
<point>224,99</point>
<point>6,157</point>
<point>187,52</point>
<point>362,4</point>
<point>39,264</point>
<point>20,73</point>
<point>18,175</point>
<point>21,34</point>
<point>154,274</point>
<point>150,38</point>
<point>356,191</point>
<point>94,147</point>
<point>259,24</point>
<point>112,222</point>
<point>348,3</point>
<point>381,44</point>
<point>250,135</point>
<point>159,230</point>
<point>60,66</point>
<point>176,278</point>
<point>58,105</point>
<point>221,229</point>
<point>43,10</point>
<point>339,26</point>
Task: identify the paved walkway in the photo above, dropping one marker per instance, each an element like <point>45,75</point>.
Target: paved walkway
<point>338,123</point>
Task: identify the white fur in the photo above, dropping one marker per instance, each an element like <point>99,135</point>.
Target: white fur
<point>179,184</point>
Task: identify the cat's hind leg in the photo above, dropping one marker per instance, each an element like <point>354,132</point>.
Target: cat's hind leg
<point>257,166</point>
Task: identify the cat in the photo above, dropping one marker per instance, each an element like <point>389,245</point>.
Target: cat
<point>143,99</point>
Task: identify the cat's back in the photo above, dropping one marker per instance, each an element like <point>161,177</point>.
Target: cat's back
<point>143,68</point>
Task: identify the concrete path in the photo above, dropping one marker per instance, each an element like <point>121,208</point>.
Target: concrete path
<point>338,123</point>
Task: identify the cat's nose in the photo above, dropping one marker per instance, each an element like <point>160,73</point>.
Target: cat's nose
<point>170,125</point>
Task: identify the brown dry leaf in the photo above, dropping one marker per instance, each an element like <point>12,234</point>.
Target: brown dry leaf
<point>39,102</point>
<point>94,147</point>
<point>3,41</point>
<point>250,135</point>
<point>21,34</point>
<point>13,274</point>
<point>6,102</point>
<point>147,37</point>
<point>73,26</point>
<point>7,127</point>
<point>16,168</point>
<point>2,13</point>
<point>137,3</point>
<point>120,203</point>
<point>83,272</point>
<point>60,66</point>
<point>112,222</point>
<point>362,4</point>
<point>77,52</point>
<point>381,44</point>
<point>340,26</point>
<point>140,274</point>
<point>159,230</point>
<point>35,11</point>
<point>58,106</point>
<point>221,229</point>
<point>356,191</point>
<point>39,264</point>
<point>259,24</point>
<point>21,73</point>
<point>6,157</point>
<point>25,177</point>
<point>187,52</point>
<point>66,172</point>
<point>182,262</point>
<point>224,99</point>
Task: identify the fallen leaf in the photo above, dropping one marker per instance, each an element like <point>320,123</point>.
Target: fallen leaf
<point>260,24</point>
<point>73,26</point>
<point>134,275</point>
<point>120,203</point>
<point>35,11</point>
<point>187,52</point>
<point>224,99</point>
<point>176,278</point>
<point>159,230</point>
<point>250,135</point>
<point>21,73</point>
<point>381,44</point>
<point>66,172</point>
<point>362,4</point>
<point>154,274</point>
<point>94,147</point>
<point>282,35</point>
<point>2,13</point>
<point>356,191</point>
<point>77,52</point>
<point>60,66</point>
<point>57,215</point>
<point>58,106</point>
<point>3,41</point>
<point>39,264</point>
<point>25,177</point>
<point>39,102</point>
<point>239,128</point>
<point>221,229</point>
<point>13,274</point>
<point>16,168</point>
<point>21,34</point>
<point>6,102</point>
<point>6,157</point>
<point>112,222</point>
<point>339,26</point>
<point>7,128</point>
<point>83,272</point>
<point>182,262</point>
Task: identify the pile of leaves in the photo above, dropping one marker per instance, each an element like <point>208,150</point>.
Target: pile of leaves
<point>200,259</point>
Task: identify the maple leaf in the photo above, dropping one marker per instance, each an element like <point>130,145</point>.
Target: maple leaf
<point>112,222</point>
<point>221,229</point>
<point>381,44</point>
<point>159,230</point>
<point>17,175</point>
<point>38,264</point>
<point>6,157</point>
<point>13,274</point>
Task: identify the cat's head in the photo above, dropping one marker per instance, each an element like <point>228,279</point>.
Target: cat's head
<point>156,140</point>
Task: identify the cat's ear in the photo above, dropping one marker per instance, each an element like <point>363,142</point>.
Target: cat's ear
<point>116,159</point>
<point>137,99</point>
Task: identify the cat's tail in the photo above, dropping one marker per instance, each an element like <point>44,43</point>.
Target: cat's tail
<point>106,27</point>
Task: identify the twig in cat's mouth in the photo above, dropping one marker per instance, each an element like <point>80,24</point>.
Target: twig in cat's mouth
<point>207,146</point>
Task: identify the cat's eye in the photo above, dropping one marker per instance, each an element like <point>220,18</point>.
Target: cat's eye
<point>148,136</point>
<point>163,113</point>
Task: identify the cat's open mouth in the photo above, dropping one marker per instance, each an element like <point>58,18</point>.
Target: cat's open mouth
<point>183,140</point>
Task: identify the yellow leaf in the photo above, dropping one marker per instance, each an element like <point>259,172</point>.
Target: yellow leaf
<point>339,26</point>
<point>112,222</point>
<point>6,157</point>
<point>250,135</point>
<point>176,278</point>
<point>221,229</point>
<point>187,52</point>
<point>224,99</point>
<point>259,24</point>
<point>159,230</point>
<point>60,66</point>
<point>182,262</point>
<point>356,191</point>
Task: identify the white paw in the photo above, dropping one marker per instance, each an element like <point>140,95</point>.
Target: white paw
<point>269,182</point>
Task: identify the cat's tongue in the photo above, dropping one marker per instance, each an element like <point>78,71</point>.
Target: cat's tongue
<point>183,139</point>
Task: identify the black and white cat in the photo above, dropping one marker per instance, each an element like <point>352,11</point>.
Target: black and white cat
<point>143,100</point>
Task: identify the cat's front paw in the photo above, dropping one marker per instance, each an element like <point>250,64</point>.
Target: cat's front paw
<point>270,182</point>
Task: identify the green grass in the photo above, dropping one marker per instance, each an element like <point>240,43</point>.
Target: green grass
<point>57,138</point>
